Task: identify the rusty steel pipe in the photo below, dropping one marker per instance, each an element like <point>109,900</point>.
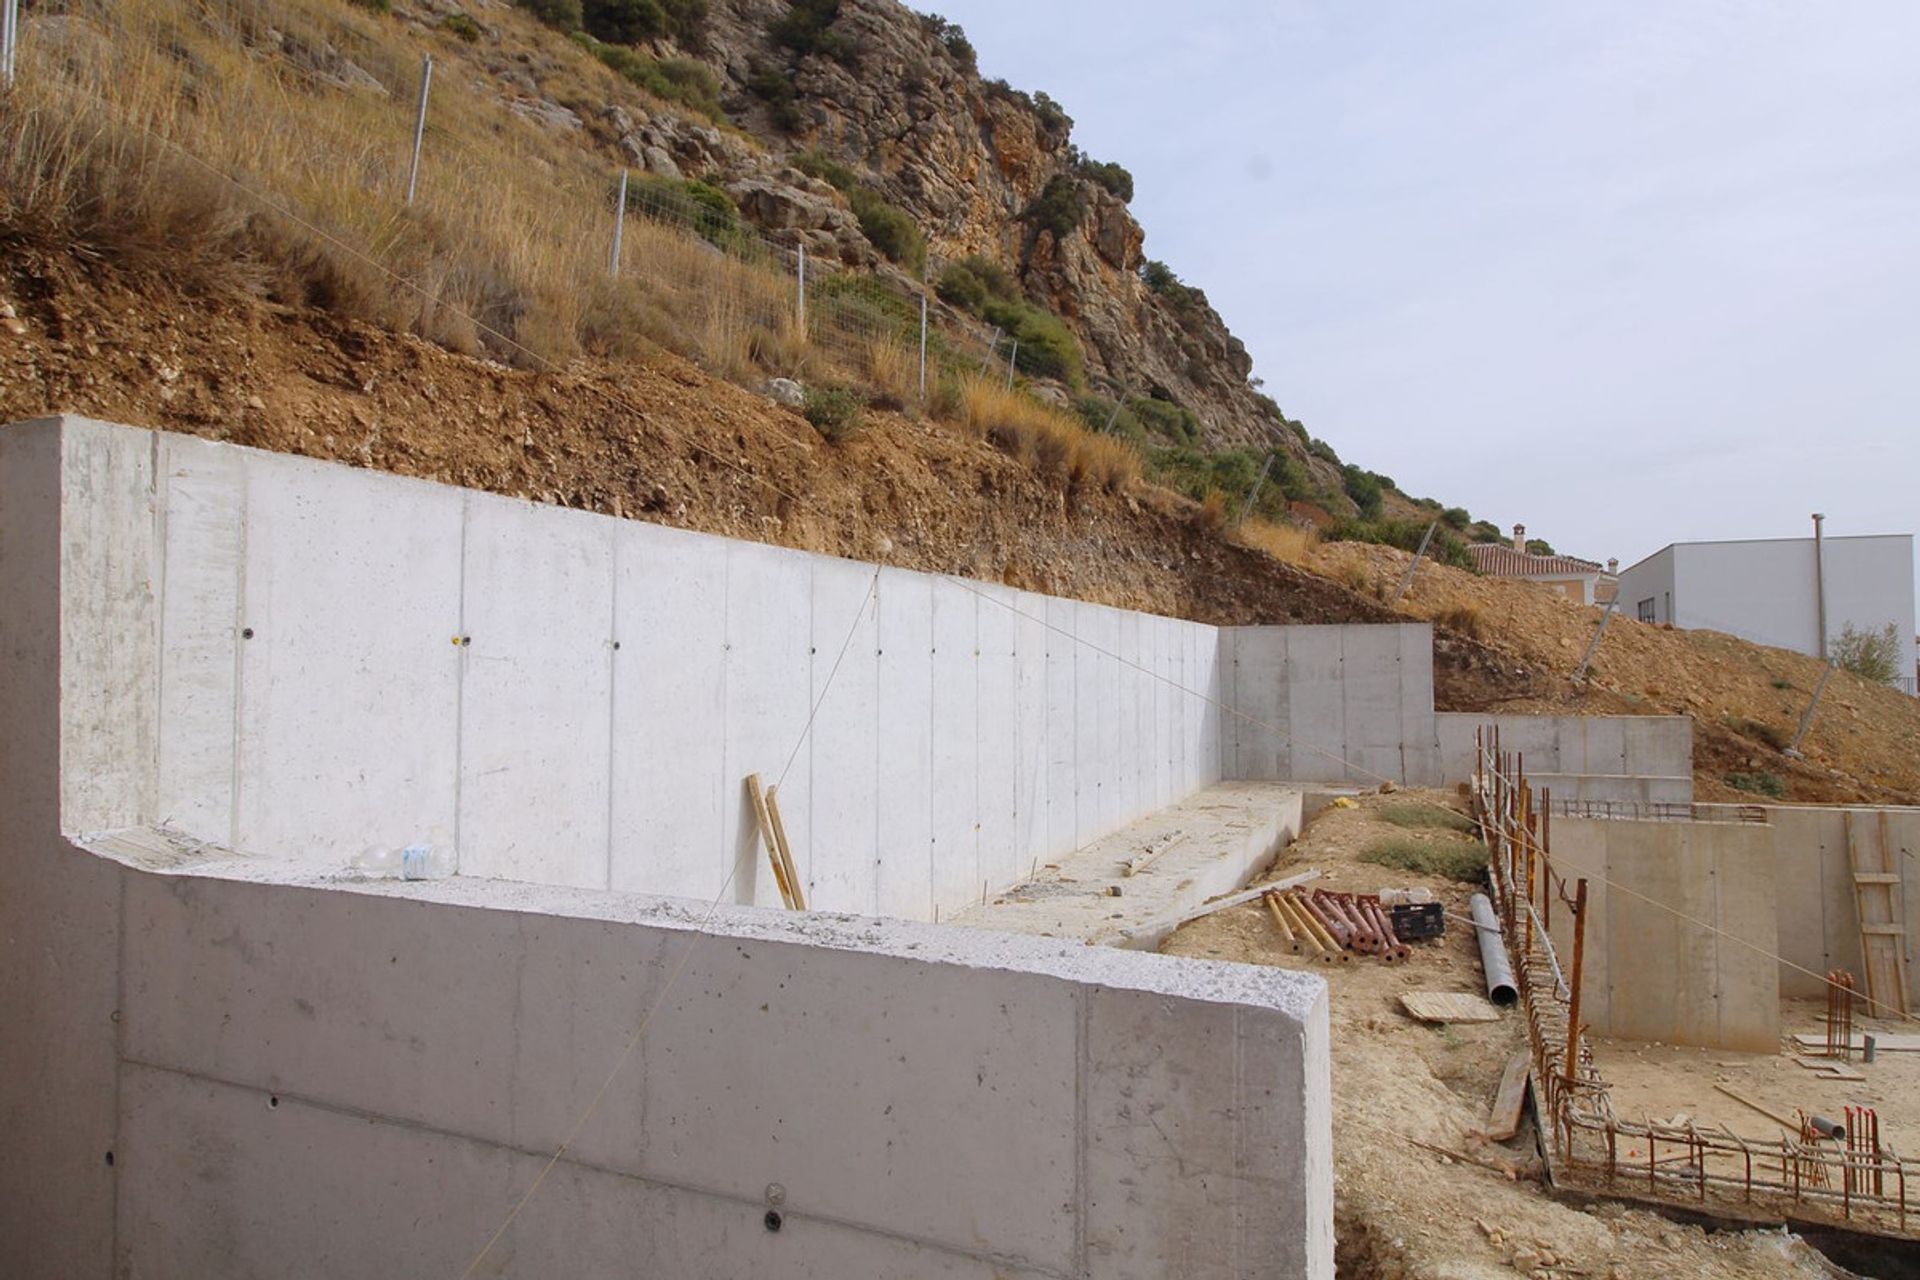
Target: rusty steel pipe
<point>1340,932</point>
<point>1396,948</point>
<point>1363,939</point>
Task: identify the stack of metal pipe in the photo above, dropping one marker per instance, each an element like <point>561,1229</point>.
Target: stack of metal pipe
<point>1332,926</point>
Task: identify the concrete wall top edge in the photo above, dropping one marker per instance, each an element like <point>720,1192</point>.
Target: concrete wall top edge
<point>1290,993</point>
<point>69,424</point>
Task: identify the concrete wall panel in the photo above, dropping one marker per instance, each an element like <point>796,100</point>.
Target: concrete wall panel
<point>204,496</point>
<point>669,694</point>
<point>905,767</point>
<point>536,694</point>
<point>1033,752</point>
<point>955,842</point>
<point>1063,727</point>
<point>341,656</point>
<point>842,855</point>
<point>997,748</point>
<point>769,683</point>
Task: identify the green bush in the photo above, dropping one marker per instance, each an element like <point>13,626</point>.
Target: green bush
<point>971,282</point>
<point>955,41</point>
<point>1231,473</point>
<point>835,412</point>
<point>1053,117</point>
<point>705,209</point>
<point>1048,348</point>
<point>1323,451</point>
<point>1765,784</point>
<point>373,6</point>
<point>1098,413</point>
<point>562,15</point>
<point>1463,860</point>
<point>1166,419</point>
<point>1114,178</point>
<point>461,25</point>
<point>686,81</point>
<point>775,88</point>
<point>1058,208</point>
<point>807,29</point>
<point>1456,518</point>
<point>1364,488</point>
<point>891,228</point>
<point>1445,548</point>
<point>1415,813</point>
<point>1759,731</point>
<point>623,21</point>
<point>1540,547</point>
<point>830,171</point>
<point>1871,655</point>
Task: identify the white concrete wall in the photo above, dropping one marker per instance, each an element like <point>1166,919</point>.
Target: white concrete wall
<point>1818,922</point>
<point>1764,590</point>
<point>1646,589</point>
<point>1680,930</point>
<point>1624,759</point>
<point>353,659</point>
<point>357,1081</point>
<point>1330,704</point>
<point>221,1063</point>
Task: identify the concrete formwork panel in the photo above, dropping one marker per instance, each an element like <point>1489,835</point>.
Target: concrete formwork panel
<point>325,665</point>
<point>1656,748</point>
<point>841,860</point>
<point>954,846</point>
<point>203,493</point>
<point>872,1070</point>
<point>1371,693</point>
<point>1092,704</point>
<point>669,691</point>
<point>1033,752</point>
<point>1680,928</point>
<point>997,747</point>
<point>536,694</point>
<point>905,745</point>
<point>1063,726</point>
<point>769,680</point>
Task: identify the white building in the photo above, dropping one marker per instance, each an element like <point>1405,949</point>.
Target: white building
<point>1766,590</point>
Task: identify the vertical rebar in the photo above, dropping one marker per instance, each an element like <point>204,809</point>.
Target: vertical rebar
<point>619,227</point>
<point>1579,956</point>
<point>420,124</point>
<point>800,298</point>
<point>923,346</point>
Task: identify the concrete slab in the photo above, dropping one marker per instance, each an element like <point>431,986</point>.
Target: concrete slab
<point>1216,840</point>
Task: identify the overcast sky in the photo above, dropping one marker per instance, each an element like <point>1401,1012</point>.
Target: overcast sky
<point>1631,273</point>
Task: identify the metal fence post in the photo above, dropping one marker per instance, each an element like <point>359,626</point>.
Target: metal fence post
<point>420,124</point>
<point>9,37</point>
<point>1806,717</point>
<point>619,227</point>
<point>992,347</point>
<point>1406,579</point>
<point>1593,645</point>
<point>800,305</point>
<point>1246,508</point>
<point>1012,355</point>
<point>923,346</point>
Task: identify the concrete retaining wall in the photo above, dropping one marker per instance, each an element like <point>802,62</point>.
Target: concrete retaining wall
<point>225,1063</point>
<point>1818,923</point>
<point>352,659</point>
<point>1656,969</point>
<point>1330,703</point>
<point>1640,759</point>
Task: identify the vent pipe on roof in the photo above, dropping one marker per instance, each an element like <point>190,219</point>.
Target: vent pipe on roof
<point>1613,565</point>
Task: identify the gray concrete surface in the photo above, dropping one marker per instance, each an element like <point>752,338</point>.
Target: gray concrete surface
<point>233,1057</point>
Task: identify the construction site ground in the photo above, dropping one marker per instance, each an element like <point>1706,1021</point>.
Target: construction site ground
<point>1406,1210</point>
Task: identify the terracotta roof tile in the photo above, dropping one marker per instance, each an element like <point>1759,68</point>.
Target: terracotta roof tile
<point>1501,561</point>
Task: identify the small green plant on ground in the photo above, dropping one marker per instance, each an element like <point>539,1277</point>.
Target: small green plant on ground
<point>1871,655</point>
<point>1463,860</point>
<point>1759,731</point>
<point>461,25</point>
<point>1764,784</point>
<point>1445,548</point>
<point>835,412</point>
<point>686,81</point>
<point>1418,813</point>
<point>1780,682</point>
<point>705,209</point>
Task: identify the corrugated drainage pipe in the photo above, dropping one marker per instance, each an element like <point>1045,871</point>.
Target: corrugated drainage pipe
<point>1493,952</point>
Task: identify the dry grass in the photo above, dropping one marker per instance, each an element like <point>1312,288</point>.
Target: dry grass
<point>1287,543</point>
<point>1052,442</point>
<point>1464,619</point>
<point>893,374</point>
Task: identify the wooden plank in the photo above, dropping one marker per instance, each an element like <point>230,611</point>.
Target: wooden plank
<point>1890,865</point>
<point>1745,1101</point>
<point>765,824</point>
<point>1247,895</point>
<point>796,891</point>
<point>1146,859</point>
<point>1449,1006</point>
<point>1503,1118</point>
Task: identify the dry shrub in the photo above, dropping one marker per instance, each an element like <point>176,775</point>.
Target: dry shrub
<point>1354,577</point>
<point>1287,543</point>
<point>892,373</point>
<point>1212,515</point>
<point>1463,619</point>
<point>1102,462</point>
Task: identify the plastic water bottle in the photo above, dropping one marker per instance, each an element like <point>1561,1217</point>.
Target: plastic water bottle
<point>418,863</point>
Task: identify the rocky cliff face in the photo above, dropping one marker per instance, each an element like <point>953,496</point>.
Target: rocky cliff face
<point>968,159</point>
